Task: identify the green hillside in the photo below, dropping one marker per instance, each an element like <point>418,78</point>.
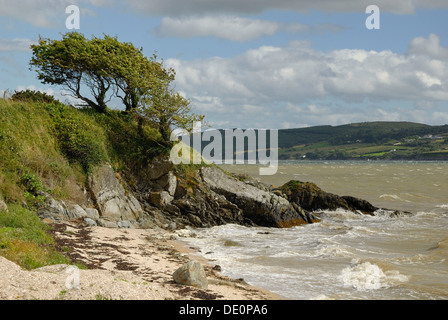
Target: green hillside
<point>49,147</point>
<point>368,140</point>
<point>357,141</point>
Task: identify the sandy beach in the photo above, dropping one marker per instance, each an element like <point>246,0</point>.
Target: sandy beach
<point>123,264</point>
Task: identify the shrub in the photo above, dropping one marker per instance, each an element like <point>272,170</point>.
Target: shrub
<point>129,144</point>
<point>80,139</point>
<point>32,96</point>
<point>25,239</point>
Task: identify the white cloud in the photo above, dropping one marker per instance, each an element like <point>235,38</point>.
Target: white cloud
<point>226,27</point>
<point>230,27</point>
<point>272,77</point>
<point>7,45</point>
<point>297,73</point>
<point>201,7</point>
<point>429,47</point>
<point>44,13</point>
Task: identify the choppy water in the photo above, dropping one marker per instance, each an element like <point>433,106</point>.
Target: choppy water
<point>347,256</point>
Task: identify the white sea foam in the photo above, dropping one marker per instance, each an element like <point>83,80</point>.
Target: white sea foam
<point>392,197</point>
<point>406,253</point>
<point>368,276</point>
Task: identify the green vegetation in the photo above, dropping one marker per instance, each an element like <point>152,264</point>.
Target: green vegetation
<point>47,147</point>
<point>25,239</point>
<point>372,140</point>
<point>107,68</point>
<point>102,65</point>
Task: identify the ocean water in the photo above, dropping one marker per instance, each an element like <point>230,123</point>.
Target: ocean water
<point>346,255</point>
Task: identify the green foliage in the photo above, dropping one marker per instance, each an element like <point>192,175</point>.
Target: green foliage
<point>300,185</point>
<point>25,239</point>
<point>73,62</point>
<point>28,145</point>
<point>128,144</point>
<point>166,109</point>
<point>79,138</point>
<point>32,96</point>
<point>102,65</point>
<point>33,190</point>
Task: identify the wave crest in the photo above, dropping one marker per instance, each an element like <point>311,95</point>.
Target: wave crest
<point>368,276</point>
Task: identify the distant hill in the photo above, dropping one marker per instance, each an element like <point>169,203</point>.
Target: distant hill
<point>367,140</point>
<point>358,141</point>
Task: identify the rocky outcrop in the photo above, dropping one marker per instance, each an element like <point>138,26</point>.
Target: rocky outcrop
<point>59,210</point>
<point>312,198</point>
<point>202,207</point>
<point>163,195</point>
<point>262,207</point>
<point>110,198</point>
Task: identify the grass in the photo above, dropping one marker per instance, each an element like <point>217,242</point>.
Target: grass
<point>28,145</point>
<point>47,147</point>
<point>25,239</point>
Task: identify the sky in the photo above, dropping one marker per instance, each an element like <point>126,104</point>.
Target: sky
<point>259,63</point>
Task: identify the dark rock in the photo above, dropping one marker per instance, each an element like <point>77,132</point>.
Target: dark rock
<point>158,167</point>
<point>262,207</point>
<point>312,198</point>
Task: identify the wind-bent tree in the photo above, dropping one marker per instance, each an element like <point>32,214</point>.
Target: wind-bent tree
<point>73,62</point>
<point>97,65</point>
<point>165,109</point>
<point>133,74</point>
<point>143,84</point>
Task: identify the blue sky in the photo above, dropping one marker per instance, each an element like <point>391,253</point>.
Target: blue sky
<point>263,64</point>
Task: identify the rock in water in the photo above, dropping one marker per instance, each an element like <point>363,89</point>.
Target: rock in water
<point>310,197</point>
<point>192,274</point>
<point>262,207</point>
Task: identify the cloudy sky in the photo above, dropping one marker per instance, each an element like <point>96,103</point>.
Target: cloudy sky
<point>263,63</point>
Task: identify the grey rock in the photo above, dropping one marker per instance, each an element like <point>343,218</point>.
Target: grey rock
<point>53,209</point>
<point>107,223</point>
<point>75,211</point>
<point>90,222</point>
<point>92,213</point>
<point>160,198</point>
<point>168,182</point>
<point>3,206</point>
<point>110,196</point>
<point>159,166</point>
<point>124,224</point>
<point>192,274</point>
<point>262,207</point>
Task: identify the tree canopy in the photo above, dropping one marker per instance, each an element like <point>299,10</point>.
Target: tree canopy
<point>165,108</point>
<point>95,70</point>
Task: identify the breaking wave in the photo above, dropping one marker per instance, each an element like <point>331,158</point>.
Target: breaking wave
<point>369,276</point>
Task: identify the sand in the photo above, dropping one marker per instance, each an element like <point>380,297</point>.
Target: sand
<point>123,264</point>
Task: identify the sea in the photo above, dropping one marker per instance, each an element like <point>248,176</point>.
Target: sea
<point>346,256</point>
